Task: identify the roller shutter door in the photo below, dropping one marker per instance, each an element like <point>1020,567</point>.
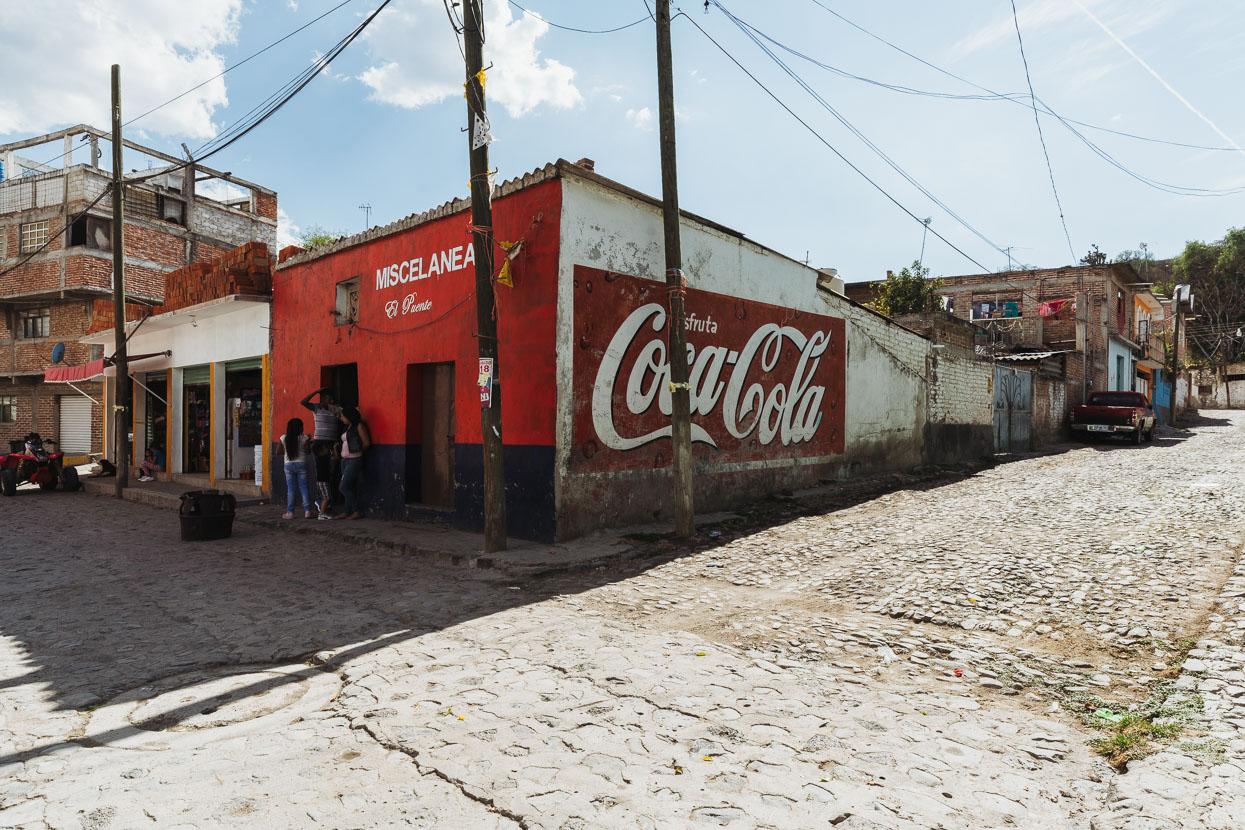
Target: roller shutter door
<point>75,425</point>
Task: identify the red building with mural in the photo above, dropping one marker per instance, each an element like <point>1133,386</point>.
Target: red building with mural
<point>387,320</point>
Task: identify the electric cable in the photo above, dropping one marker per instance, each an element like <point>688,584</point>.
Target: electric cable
<point>852,128</point>
<point>1041,138</point>
<point>224,72</point>
<point>950,74</point>
<point>830,146</point>
<point>1180,190</point>
<point>238,129</point>
<point>538,16</point>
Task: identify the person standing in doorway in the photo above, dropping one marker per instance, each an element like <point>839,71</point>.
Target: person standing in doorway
<point>355,441</point>
<point>297,449</point>
<point>323,440</point>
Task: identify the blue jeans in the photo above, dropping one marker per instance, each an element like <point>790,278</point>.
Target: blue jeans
<point>296,480</point>
<point>351,467</point>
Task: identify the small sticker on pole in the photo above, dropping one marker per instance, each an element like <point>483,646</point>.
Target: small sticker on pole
<point>485,382</point>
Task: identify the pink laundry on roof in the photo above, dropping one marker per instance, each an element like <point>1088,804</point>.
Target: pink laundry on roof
<point>1056,308</point>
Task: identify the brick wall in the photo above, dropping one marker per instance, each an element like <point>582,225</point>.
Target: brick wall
<point>246,269</point>
<point>266,205</point>
<point>1100,282</point>
<point>38,410</point>
<point>1050,409</point>
<point>960,406</point>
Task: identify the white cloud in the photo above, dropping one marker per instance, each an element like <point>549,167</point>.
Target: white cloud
<point>416,62</point>
<point>292,5</point>
<point>57,54</point>
<point>641,119</point>
<point>287,231</point>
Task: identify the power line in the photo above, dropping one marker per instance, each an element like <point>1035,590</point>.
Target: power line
<point>1041,138</point>
<point>224,72</point>
<point>538,16</point>
<point>31,255</point>
<point>239,129</point>
<point>1046,109</point>
<point>749,30</point>
<point>830,146</point>
<point>950,74</point>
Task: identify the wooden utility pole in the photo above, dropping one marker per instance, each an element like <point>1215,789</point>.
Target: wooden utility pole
<point>680,397</point>
<point>486,320</point>
<point>121,394</point>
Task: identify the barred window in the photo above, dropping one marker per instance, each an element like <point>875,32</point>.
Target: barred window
<point>35,322</point>
<point>8,409</point>
<point>34,236</point>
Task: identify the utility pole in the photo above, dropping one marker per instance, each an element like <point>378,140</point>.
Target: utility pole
<point>680,397</point>
<point>1176,306</point>
<point>924,232</point>
<point>121,395</point>
<point>486,321</point>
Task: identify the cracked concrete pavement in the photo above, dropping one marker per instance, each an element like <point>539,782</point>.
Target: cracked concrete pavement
<point>928,658</point>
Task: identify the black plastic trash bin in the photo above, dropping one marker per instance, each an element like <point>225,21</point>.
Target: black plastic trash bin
<point>206,514</point>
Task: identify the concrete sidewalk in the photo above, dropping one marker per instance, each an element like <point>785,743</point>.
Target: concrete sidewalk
<point>430,540</point>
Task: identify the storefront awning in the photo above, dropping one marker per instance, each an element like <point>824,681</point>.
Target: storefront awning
<point>75,374</point>
<point>89,371</point>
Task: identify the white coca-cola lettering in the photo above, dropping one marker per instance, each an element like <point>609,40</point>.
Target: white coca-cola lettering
<point>790,412</point>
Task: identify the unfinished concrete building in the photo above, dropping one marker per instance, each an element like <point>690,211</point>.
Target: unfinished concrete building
<point>56,262</point>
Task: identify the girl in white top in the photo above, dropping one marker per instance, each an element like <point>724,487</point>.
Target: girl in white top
<point>297,448</point>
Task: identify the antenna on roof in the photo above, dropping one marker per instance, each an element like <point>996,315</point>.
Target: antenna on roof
<point>367,216</point>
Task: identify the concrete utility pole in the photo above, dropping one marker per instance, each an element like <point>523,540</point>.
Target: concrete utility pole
<point>486,322</point>
<point>680,397</point>
<point>1176,300</point>
<point>121,398</point>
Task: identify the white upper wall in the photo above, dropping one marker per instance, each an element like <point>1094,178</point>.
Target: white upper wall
<point>886,364</point>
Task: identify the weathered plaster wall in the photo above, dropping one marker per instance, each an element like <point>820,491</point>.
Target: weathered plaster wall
<point>961,408</point>
<point>885,401</point>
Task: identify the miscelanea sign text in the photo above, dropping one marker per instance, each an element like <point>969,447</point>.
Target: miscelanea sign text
<point>766,381</point>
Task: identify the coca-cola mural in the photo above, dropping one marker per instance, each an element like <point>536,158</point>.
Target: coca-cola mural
<point>766,381</point>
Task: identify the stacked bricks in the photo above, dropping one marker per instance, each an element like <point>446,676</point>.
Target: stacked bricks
<point>246,270</point>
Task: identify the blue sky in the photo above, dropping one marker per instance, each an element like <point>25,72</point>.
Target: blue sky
<point>383,125</point>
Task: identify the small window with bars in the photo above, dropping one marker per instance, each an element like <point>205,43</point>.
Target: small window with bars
<point>35,322</point>
<point>8,409</point>
<point>34,236</point>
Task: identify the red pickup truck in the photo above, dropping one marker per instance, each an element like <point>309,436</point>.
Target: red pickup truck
<point>1114,413</point>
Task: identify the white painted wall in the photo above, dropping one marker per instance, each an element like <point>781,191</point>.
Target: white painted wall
<point>239,334</point>
<point>886,364</point>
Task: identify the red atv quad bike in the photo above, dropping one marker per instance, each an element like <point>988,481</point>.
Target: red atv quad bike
<point>47,469</point>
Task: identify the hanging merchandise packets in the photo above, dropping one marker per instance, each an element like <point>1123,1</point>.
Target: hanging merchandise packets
<point>482,134</point>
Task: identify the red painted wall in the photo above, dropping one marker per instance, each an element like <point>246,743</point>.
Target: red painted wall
<point>436,324</point>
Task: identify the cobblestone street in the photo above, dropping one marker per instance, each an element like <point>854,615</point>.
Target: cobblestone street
<point>941,656</point>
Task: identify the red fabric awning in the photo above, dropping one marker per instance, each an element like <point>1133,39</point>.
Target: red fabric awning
<point>74,374</point>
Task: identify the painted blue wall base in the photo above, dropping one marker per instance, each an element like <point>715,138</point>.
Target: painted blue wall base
<point>530,508</point>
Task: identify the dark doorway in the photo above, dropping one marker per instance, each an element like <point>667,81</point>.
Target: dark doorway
<point>157,416</point>
<point>343,379</point>
<point>198,441</point>
<point>430,434</point>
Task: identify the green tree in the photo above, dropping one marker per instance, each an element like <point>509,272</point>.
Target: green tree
<point>318,236</point>
<point>1216,274</point>
<point>911,291</point>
